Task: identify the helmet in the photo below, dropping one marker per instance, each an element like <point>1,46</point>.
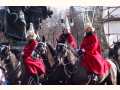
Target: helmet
<point>89,25</point>
<point>31,33</point>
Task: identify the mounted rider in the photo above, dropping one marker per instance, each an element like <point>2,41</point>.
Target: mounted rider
<point>93,60</point>
<point>67,32</point>
<point>34,66</point>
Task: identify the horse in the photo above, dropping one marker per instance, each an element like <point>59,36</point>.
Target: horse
<point>14,67</point>
<point>2,75</point>
<point>11,65</point>
<point>114,53</point>
<point>77,74</point>
<point>48,54</point>
<point>26,78</point>
<point>64,50</point>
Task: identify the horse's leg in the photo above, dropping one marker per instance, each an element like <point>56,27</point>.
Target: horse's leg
<point>118,71</point>
<point>118,78</point>
<point>109,81</point>
<point>24,79</point>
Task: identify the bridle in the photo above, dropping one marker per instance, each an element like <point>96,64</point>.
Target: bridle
<point>67,72</point>
<point>37,51</point>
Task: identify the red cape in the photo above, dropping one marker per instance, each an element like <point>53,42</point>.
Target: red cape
<point>71,40</point>
<point>93,60</point>
<point>33,66</point>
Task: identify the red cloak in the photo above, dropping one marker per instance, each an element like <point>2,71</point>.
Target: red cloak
<point>33,66</point>
<point>92,59</point>
<point>71,40</point>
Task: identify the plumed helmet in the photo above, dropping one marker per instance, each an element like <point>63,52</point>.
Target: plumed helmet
<point>89,25</point>
<point>31,32</point>
<point>66,24</point>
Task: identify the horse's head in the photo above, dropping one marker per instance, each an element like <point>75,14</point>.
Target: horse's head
<point>67,58</point>
<point>65,54</point>
<point>117,50</point>
<point>62,50</point>
<point>41,48</point>
<point>63,37</point>
<point>46,51</point>
<point>4,51</point>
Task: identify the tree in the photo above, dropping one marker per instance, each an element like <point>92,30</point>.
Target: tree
<point>99,26</point>
<point>77,28</point>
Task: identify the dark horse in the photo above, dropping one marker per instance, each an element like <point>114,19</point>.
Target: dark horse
<point>77,74</point>
<point>55,74</point>
<point>70,60</point>
<point>114,53</point>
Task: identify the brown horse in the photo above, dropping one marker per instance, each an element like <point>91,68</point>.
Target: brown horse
<point>12,66</point>
<point>76,73</point>
<point>2,75</point>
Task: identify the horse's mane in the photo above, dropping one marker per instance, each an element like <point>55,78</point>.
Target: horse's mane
<point>50,55</point>
<point>73,51</point>
<point>72,55</point>
<point>51,49</point>
<point>63,38</point>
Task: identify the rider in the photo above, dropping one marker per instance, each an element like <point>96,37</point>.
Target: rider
<point>34,66</point>
<point>70,38</point>
<point>93,61</point>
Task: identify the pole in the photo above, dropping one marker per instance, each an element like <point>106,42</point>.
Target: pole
<point>108,26</point>
<point>77,40</point>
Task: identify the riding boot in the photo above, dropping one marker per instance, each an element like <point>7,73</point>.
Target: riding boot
<point>93,78</point>
<point>36,78</point>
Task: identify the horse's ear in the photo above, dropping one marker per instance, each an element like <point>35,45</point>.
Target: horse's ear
<point>114,42</point>
<point>63,31</point>
<point>57,40</point>
<point>43,38</point>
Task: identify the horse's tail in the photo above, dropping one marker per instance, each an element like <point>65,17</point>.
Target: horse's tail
<point>118,77</point>
<point>118,72</point>
<point>113,71</point>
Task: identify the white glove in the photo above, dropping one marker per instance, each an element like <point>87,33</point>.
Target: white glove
<point>83,50</point>
<point>34,36</point>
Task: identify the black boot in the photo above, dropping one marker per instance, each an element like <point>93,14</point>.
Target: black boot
<point>94,79</point>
